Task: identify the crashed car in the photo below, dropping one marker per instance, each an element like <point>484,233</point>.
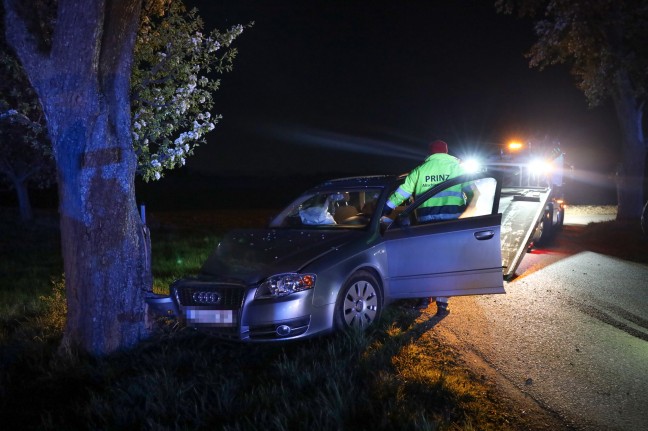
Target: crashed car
<point>328,262</point>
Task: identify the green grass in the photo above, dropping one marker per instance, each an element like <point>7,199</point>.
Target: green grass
<point>30,260</point>
<point>177,254</point>
<point>182,379</point>
<point>398,376</point>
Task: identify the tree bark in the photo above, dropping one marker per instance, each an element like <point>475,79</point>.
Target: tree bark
<point>82,81</point>
<point>631,183</point>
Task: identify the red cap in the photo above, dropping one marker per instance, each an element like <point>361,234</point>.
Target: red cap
<point>438,147</point>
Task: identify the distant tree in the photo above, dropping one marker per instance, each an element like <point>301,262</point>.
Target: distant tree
<point>78,57</point>
<point>25,155</point>
<point>605,43</point>
<point>172,86</point>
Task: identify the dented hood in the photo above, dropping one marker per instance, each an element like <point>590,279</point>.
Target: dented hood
<point>253,254</point>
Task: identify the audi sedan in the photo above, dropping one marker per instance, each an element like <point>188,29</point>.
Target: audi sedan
<point>328,262</point>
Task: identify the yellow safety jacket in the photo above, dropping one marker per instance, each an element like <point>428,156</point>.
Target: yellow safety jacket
<point>437,168</point>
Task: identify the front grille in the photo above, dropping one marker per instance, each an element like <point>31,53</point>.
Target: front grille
<point>230,297</point>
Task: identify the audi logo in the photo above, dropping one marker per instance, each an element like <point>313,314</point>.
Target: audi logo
<point>206,297</point>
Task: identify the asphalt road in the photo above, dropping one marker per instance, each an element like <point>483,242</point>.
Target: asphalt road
<point>571,333</point>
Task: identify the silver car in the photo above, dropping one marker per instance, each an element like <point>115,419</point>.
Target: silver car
<point>328,262</point>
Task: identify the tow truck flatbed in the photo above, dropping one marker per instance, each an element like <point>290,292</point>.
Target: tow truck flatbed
<point>522,210</point>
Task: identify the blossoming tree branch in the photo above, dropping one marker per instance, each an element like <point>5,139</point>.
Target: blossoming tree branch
<point>173,84</point>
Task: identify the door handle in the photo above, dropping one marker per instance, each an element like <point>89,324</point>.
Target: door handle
<point>484,235</point>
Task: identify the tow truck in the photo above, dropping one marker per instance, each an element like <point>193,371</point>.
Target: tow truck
<point>532,202</point>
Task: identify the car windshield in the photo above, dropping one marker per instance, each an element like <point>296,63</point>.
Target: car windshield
<point>346,208</point>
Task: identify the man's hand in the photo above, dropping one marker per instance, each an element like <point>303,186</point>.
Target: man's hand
<point>386,220</point>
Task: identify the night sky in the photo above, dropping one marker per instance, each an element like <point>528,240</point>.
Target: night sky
<point>360,87</point>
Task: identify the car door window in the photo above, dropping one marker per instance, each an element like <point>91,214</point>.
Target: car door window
<point>479,197</point>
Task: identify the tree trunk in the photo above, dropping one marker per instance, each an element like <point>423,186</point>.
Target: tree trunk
<point>631,183</point>
<point>83,85</point>
<point>24,204</point>
<point>104,250</point>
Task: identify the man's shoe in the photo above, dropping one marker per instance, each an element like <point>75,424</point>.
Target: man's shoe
<point>442,309</point>
<point>423,303</point>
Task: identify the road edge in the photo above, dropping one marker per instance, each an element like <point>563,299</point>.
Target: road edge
<point>529,413</point>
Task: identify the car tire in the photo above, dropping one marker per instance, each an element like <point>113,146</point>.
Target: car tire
<point>359,302</point>
<point>544,230</point>
<point>561,218</point>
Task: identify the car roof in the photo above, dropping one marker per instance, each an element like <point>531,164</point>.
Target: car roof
<point>356,182</point>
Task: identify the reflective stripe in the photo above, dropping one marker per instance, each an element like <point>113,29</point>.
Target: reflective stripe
<point>449,193</point>
<point>443,201</point>
<point>404,193</point>
<point>398,197</point>
<point>445,212</point>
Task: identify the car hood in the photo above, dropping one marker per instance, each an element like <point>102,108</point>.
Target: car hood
<point>253,254</point>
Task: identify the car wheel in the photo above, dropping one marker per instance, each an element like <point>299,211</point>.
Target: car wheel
<point>359,302</point>
<point>561,218</point>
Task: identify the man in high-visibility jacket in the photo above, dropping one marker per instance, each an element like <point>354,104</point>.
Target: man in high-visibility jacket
<point>439,166</point>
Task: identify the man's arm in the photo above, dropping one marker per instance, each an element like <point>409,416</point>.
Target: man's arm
<point>401,194</point>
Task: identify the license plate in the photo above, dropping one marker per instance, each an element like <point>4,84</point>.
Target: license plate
<point>212,317</point>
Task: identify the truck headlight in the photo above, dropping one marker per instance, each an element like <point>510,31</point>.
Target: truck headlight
<point>540,167</point>
<point>472,166</point>
<point>280,285</point>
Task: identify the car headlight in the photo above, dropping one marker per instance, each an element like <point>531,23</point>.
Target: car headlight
<point>284,284</point>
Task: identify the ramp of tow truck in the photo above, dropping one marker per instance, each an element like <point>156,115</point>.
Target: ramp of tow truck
<point>522,210</point>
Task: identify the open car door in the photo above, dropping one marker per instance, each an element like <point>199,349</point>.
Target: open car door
<point>448,257</point>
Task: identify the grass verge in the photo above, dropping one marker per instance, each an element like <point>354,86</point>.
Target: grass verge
<point>397,376</point>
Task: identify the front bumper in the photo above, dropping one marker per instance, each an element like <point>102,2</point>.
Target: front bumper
<point>161,305</point>
<point>237,315</point>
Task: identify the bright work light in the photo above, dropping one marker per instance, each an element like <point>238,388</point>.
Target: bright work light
<point>472,166</point>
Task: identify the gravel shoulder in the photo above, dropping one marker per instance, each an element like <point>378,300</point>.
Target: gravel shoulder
<point>585,214</point>
<point>587,228</point>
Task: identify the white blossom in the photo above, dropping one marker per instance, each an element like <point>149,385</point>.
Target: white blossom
<point>173,117</point>
<point>215,46</point>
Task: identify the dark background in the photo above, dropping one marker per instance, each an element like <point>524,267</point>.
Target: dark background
<point>362,86</point>
<point>324,88</point>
